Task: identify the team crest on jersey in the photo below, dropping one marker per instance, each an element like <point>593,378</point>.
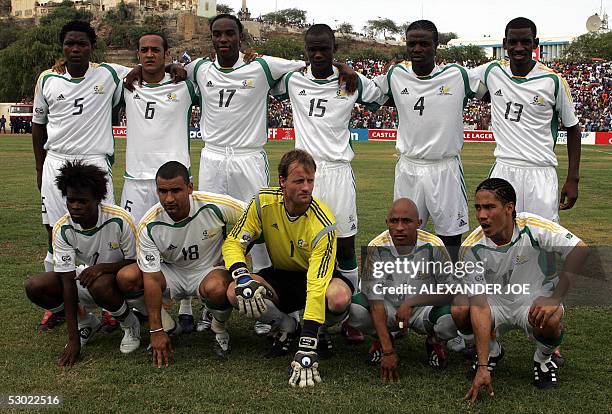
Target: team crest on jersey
<point>245,239</point>
<point>113,245</point>
<point>302,244</point>
<point>341,94</point>
<point>207,234</point>
<point>99,89</point>
<point>444,90</point>
<point>60,97</point>
<point>538,100</point>
<point>172,97</point>
<point>248,84</point>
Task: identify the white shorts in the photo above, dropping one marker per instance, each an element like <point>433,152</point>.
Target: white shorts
<point>537,188</point>
<point>438,190</point>
<point>506,319</point>
<point>138,196</point>
<point>418,320</point>
<point>335,186</point>
<point>52,202</point>
<point>85,299</point>
<point>237,173</point>
<point>182,283</point>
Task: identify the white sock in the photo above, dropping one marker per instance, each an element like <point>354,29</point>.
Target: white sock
<point>274,316</point>
<point>139,304</point>
<point>259,257</point>
<point>468,339</point>
<point>48,262</point>
<point>219,318</point>
<point>352,275</point>
<point>494,348</point>
<point>543,352</point>
<point>445,328</point>
<point>185,308</point>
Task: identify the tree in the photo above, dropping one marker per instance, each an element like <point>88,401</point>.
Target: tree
<point>383,25</point>
<point>224,9</point>
<point>35,50</point>
<point>462,54</point>
<point>589,46</point>
<point>274,18</point>
<point>445,37</point>
<point>286,17</point>
<point>345,28</point>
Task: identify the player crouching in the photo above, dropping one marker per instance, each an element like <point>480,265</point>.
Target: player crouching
<point>99,235</point>
<point>299,232</point>
<point>511,250</point>
<point>179,255</point>
<point>392,299</point>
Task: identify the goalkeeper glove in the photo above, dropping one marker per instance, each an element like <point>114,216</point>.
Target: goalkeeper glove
<point>305,365</point>
<point>249,294</point>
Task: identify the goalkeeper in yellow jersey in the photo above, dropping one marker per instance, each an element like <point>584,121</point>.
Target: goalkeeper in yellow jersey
<point>300,234</point>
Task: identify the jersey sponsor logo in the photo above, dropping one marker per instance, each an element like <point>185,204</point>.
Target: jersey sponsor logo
<point>245,239</point>
<point>462,223</point>
<point>405,92</point>
<point>274,225</point>
<point>39,110</point>
<point>499,93</point>
<point>150,258</point>
<point>519,260</point>
<point>66,258</point>
<point>538,100</point>
<point>444,90</point>
<point>302,93</point>
<point>113,245</point>
<point>353,226</point>
<point>248,84</point>
<point>136,96</point>
<point>171,247</point>
<point>172,97</point>
<point>209,84</point>
<point>99,89</point>
<point>60,97</point>
<point>341,94</point>
<point>569,236</point>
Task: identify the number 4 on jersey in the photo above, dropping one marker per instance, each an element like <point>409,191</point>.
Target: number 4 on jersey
<point>420,105</point>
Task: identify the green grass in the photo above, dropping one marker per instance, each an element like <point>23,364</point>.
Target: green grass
<point>106,380</point>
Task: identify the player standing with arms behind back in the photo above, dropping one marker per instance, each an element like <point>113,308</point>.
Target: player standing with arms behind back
<point>430,101</point>
<point>321,113</point>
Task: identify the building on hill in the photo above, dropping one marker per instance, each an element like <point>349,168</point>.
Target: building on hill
<point>551,47</point>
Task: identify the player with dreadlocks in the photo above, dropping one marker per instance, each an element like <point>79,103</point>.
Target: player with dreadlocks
<point>509,250</point>
<point>99,235</point>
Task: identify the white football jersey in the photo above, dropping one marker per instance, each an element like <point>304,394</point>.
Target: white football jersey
<point>430,108</point>
<point>194,242</point>
<point>78,111</point>
<point>525,112</point>
<point>429,249</point>
<point>522,261</point>
<point>322,111</point>
<point>158,117</point>
<point>235,100</point>
<point>110,241</point>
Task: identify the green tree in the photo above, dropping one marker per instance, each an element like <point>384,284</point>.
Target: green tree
<point>283,47</point>
<point>445,37</point>
<point>345,27</point>
<point>274,18</point>
<point>9,32</point>
<point>589,46</point>
<point>35,50</point>
<point>462,54</point>
<point>383,25</point>
<point>285,17</point>
<point>224,9</point>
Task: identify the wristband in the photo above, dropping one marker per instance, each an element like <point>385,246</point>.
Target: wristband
<point>156,330</point>
<point>482,365</point>
<point>389,353</point>
<point>240,273</point>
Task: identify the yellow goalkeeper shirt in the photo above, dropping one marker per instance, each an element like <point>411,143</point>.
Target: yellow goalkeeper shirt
<point>306,243</point>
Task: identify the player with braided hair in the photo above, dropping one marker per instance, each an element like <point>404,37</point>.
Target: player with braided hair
<point>508,250</point>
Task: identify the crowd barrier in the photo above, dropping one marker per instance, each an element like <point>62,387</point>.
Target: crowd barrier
<point>362,134</point>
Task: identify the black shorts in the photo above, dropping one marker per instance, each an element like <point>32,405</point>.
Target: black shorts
<point>290,287</point>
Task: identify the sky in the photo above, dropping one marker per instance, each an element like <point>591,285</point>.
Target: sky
<point>468,18</point>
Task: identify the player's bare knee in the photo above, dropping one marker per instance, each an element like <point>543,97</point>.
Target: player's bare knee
<point>102,287</point>
<point>231,294</point>
<point>461,315</point>
<point>129,278</point>
<point>338,296</point>
<point>214,290</point>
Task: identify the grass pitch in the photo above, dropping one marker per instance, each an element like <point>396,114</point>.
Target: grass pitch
<point>105,380</point>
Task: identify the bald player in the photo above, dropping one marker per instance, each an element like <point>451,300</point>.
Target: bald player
<point>391,301</point>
